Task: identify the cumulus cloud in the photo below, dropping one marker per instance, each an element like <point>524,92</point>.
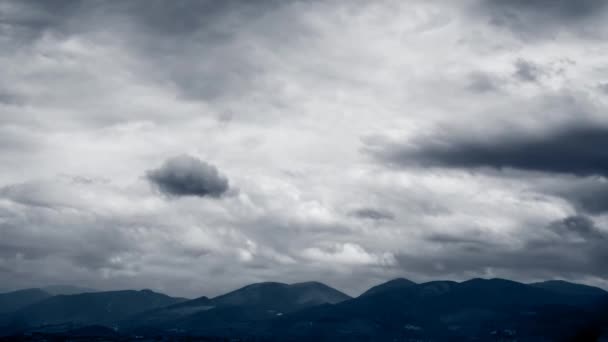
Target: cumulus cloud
<point>188,176</point>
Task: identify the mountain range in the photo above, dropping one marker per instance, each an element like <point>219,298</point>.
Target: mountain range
<point>398,310</point>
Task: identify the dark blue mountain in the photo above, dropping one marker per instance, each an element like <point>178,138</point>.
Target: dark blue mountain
<point>239,309</point>
<point>398,310</point>
<point>88,308</point>
<point>12,301</point>
<point>564,287</point>
<point>478,309</point>
<point>66,289</point>
<point>389,285</point>
<point>281,297</point>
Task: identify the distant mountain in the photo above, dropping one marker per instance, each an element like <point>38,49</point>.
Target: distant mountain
<point>398,310</point>
<point>90,308</point>
<point>282,297</point>
<point>567,288</point>
<point>478,309</point>
<point>167,314</point>
<point>66,289</point>
<point>93,331</point>
<point>389,285</point>
<point>239,310</point>
<point>12,301</point>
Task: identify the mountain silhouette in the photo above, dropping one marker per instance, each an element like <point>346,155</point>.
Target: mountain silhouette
<point>12,301</point>
<point>89,308</point>
<point>389,285</point>
<point>441,310</point>
<point>281,297</point>
<point>244,306</point>
<point>66,289</point>
<point>567,288</point>
<point>398,310</point>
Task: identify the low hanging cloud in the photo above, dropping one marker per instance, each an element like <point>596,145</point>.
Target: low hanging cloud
<point>188,176</point>
<point>569,150</point>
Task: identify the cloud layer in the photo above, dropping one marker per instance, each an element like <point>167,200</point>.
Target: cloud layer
<point>367,141</point>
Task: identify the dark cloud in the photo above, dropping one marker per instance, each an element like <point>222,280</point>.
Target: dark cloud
<point>372,214</point>
<point>569,248</point>
<point>480,82</point>
<point>572,150</point>
<point>28,19</point>
<point>527,71</point>
<point>160,17</point>
<point>188,176</point>
<point>545,18</point>
<point>577,227</point>
<point>588,194</point>
<point>567,9</point>
<point>214,18</point>
<point>213,62</point>
<point>10,99</point>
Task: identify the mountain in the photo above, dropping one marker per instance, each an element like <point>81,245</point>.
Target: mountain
<point>241,310</point>
<point>90,308</point>
<point>16,300</point>
<point>281,297</point>
<point>389,285</point>
<point>477,309</point>
<point>566,288</point>
<point>66,289</point>
<point>398,310</point>
<point>167,314</point>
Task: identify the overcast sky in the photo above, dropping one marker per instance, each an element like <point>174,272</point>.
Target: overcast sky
<point>192,147</point>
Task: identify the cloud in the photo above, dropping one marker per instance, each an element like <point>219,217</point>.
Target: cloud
<point>188,176</point>
<point>372,214</point>
<point>570,248</point>
<point>527,71</point>
<point>577,227</point>
<point>347,253</point>
<point>277,94</point>
<point>588,194</point>
<point>546,18</point>
<point>481,82</point>
<point>569,150</point>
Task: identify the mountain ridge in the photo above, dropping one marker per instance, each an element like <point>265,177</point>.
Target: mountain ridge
<point>398,308</point>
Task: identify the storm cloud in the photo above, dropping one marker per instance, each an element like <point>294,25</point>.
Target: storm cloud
<point>188,176</point>
<point>570,150</point>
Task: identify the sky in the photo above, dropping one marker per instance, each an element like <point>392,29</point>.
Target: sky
<point>192,147</point>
